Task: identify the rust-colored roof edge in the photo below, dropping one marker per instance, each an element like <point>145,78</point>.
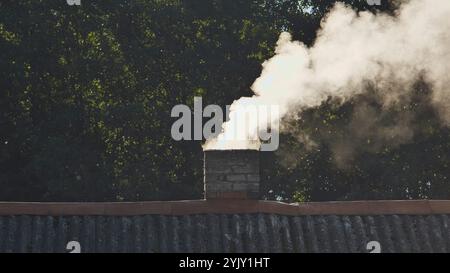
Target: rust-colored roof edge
<point>410,207</point>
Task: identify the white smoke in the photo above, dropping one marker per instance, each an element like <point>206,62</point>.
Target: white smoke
<point>351,49</point>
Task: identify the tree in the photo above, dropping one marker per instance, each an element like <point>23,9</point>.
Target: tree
<point>86,93</point>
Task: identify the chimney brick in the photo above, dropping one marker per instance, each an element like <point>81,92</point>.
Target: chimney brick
<point>231,174</point>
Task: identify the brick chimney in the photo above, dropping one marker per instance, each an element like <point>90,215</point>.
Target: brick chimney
<point>231,174</point>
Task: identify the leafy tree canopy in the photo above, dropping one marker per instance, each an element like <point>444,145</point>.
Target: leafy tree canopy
<point>86,93</point>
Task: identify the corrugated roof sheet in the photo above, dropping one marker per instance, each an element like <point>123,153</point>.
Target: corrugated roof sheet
<point>226,232</point>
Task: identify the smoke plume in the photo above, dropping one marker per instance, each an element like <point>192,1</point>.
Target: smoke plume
<point>358,57</point>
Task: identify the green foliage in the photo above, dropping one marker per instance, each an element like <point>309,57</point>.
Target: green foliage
<point>86,93</point>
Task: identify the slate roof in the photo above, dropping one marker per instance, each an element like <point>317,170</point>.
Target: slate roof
<point>226,226</point>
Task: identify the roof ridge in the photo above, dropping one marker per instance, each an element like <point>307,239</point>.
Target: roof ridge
<point>186,207</point>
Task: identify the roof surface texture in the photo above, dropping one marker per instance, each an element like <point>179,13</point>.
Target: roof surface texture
<point>226,226</point>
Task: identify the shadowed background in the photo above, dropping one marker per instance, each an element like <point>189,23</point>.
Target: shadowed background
<point>86,93</point>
